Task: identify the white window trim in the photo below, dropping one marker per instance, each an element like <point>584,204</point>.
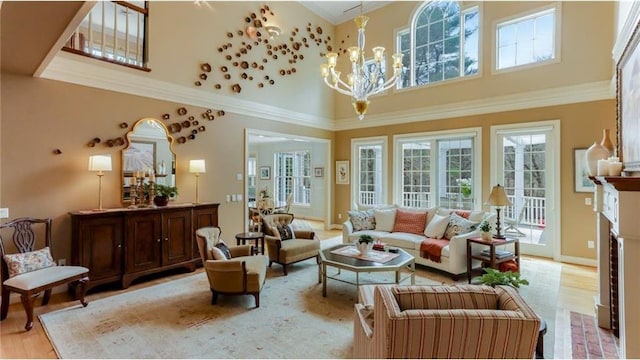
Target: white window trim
<point>275,167</point>
<point>355,165</point>
<point>558,36</point>
<point>474,132</point>
<point>555,203</point>
<point>464,7</point>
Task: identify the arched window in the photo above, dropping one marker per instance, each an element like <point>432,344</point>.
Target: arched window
<point>441,44</point>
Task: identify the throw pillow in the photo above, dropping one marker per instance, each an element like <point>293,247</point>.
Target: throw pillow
<point>217,254</point>
<point>385,219</point>
<point>285,231</point>
<point>437,226</point>
<point>459,225</point>
<point>29,261</point>
<point>362,220</point>
<point>410,222</point>
<point>224,248</point>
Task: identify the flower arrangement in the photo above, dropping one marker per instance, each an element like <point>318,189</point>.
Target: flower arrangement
<point>485,226</point>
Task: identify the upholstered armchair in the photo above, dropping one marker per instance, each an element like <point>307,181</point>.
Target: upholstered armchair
<point>286,246</point>
<point>465,321</point>
<point>230,270</point>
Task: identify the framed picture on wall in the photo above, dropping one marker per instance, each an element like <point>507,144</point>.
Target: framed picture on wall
<point>628,97</point>
<point>318,172</point>
<point>342,172</point>
<point>140,156</point>
<point>265,172</point>
<point>581,175</point>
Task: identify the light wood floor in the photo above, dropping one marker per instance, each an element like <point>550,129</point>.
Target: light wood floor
<point>578,286</point>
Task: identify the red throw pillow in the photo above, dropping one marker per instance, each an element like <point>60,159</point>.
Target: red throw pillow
<point>463,213</point>
<point>410,222</point>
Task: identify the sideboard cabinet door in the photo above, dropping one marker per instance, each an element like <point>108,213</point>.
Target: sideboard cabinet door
<point>176,233</point>
<point>144,241</point>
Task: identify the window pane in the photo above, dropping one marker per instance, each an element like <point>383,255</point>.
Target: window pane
<point>436,32</point>
<point>471,43</point>
<point>527,40</point>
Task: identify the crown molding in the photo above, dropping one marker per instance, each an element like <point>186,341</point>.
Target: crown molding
<point>69,68</point>
<point>594,91</point>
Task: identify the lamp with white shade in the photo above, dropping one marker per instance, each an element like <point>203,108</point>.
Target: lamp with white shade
<point>197,167</point>
<point>499,199</point>
<point>100,163</point>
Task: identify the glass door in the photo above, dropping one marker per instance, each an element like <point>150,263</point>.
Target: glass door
<point>524,165</point>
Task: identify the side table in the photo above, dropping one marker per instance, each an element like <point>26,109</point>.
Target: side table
<point>492,260</point>
<point>258,237</point>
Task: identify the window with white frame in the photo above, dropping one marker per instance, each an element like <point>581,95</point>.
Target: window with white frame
<point>441,44</point>
<point>526,40</point>
<point>251,178</point>
<point>437,170</point>
<point>293,175</point>
<point>369,167</point>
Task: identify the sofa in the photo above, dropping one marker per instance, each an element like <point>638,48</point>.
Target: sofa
<point>425,322</point>
<point>436,237</point>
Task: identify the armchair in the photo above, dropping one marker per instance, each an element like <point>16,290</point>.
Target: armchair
<point>242,274</point>
<point>32,271</point>
<point>464,321</point>
<point>285,251</point>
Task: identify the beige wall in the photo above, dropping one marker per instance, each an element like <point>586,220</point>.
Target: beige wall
<point>585,55</point>
<point>580,126</point>
<point>39,116</point>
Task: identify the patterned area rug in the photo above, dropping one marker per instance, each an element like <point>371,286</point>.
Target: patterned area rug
<point>588,341</point>
<point>176,319</point>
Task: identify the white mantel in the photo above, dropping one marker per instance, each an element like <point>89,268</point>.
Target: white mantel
<point>617,204</point>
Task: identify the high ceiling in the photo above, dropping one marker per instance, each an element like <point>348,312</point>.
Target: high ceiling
<point>337,12</point>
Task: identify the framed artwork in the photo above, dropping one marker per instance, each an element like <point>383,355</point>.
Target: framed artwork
<point>139,156</point>
<point>342,172</point>
<point>265,172</point>
<point>581,174</point>
<point>318,172</point>
<point>628,98</point>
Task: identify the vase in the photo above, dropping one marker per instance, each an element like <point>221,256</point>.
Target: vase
<point>364,248</point>
<point>161,200</point>
<point>486,235</point>
<point>594,153</point>
<point>606,141</point>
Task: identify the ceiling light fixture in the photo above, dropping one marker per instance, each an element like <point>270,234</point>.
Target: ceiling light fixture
<point>364,79</point>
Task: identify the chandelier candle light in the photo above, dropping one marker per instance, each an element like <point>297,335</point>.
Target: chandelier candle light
<point>197,167</point>
<point>100,163</point>
<point>363,81</point>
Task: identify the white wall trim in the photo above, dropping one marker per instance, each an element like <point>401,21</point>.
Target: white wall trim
<point>68,68</point>
<point>593,91</point>
<point>625,32</point>
<point>579,261</point>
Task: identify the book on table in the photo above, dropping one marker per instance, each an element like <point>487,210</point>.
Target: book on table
<point>499,253</point>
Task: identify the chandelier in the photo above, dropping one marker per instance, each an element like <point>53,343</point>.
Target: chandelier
<point>364,79</point>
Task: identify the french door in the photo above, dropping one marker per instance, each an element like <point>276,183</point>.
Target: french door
<point>525,160</point>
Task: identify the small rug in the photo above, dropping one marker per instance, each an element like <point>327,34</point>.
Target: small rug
<point>588,341</point>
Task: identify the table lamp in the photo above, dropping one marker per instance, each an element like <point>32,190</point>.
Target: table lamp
<point>100,163</point>
<point>498,198</point>
<point>197,167</point>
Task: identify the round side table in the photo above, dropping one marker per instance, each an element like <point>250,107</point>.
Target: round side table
<point>258,237</point>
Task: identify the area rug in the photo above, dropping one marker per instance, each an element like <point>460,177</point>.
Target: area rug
<point>176,320</point>
<point>588,341</point>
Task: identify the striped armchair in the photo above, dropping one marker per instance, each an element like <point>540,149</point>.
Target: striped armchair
<point>465,321</point>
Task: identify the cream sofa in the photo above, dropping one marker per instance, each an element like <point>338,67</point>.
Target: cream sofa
<point>453,257</point>
<point>425,322</point>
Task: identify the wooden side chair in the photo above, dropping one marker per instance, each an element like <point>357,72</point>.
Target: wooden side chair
<point>32,271</point>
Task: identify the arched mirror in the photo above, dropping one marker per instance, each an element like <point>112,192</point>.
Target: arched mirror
<point>149,147</point>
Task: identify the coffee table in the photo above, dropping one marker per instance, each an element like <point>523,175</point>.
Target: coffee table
<point>356,265</point>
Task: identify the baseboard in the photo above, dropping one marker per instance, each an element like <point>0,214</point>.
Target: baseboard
<point>579,261</point>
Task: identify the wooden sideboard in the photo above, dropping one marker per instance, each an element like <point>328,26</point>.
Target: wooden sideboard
<point>120,245</point>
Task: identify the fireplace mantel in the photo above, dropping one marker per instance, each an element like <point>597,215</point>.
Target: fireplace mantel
<point>617,202</point>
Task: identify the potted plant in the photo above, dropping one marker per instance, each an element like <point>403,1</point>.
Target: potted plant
<point>493,277</point>
<point>163,193</point>
<point>485,227</point>
<point>364,244</point>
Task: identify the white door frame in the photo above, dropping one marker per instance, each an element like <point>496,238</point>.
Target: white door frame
<point>553,210</point>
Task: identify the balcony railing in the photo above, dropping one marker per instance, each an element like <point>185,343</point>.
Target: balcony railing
<point>527,210</point>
